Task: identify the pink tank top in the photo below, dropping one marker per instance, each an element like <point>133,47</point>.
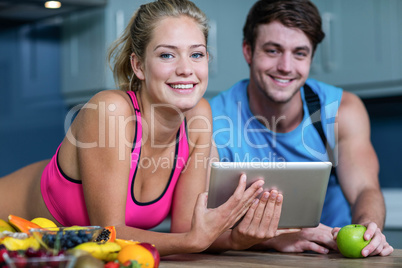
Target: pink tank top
<point>64,196</point>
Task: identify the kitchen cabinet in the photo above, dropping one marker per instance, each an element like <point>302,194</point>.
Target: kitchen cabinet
<point>362,48</point>
<point>227,65</point>
<point>29,76</point>
<point>86,37</point>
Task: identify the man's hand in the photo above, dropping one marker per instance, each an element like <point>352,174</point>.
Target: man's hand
<point>378,244</point>
<point>319,239</point>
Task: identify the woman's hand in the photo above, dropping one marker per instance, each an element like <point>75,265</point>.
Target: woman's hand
<point>260,223</point>
<point>209,224</point>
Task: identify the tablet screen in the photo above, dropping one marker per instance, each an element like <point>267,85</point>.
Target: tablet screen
<point>303,185</point>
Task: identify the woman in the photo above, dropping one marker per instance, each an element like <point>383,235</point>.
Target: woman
<point>132,156</point>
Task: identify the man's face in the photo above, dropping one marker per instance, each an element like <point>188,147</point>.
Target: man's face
<point>280,63</point>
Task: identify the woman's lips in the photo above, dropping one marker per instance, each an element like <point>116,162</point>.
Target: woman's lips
<point>183,88</point>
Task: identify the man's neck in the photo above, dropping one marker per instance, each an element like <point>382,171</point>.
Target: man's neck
<point>278,117</point>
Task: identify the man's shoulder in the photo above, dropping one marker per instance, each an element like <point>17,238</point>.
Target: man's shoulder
<point>326,92</point>
<point>321,86</point>
<point>229,97</point>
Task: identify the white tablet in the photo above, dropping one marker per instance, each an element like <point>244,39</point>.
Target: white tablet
<point>303,185</point>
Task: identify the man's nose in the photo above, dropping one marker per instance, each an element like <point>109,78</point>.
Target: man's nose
<point>285,63</point>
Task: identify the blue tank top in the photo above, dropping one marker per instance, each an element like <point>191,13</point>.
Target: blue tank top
<point>241,137</point>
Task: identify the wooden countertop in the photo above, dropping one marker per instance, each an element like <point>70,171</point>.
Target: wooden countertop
<point>252,259</point>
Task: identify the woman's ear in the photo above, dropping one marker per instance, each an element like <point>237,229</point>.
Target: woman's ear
<point>136,65</point>
<point>247,53</point>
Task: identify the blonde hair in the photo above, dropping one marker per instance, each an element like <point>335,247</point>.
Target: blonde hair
<point>138,34</point>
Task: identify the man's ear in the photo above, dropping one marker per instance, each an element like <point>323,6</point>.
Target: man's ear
<point>247,52</point>
<point>136,65</point>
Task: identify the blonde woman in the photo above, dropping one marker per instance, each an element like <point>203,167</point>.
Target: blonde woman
<point>134,155</point>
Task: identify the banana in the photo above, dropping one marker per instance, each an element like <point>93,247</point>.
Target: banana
<point>12,243</point>
<point>104,251</point>
<point>5,226</point>
<point>44,222</point>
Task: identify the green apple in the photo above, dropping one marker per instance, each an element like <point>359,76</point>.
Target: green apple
<point>350,240</point>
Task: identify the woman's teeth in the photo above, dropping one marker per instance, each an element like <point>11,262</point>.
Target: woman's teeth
<point>182,86</point>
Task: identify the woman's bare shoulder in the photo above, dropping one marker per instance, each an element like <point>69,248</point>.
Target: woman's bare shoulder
<point>99,110</point>
<point>113,101</point>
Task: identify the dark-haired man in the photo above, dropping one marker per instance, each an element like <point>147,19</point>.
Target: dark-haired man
<point>278,114</point>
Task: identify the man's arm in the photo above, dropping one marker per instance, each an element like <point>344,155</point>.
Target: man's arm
<point>358,170</point>
<point>358,166</point>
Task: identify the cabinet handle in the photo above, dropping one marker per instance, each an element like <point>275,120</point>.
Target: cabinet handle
<point>327,21</point>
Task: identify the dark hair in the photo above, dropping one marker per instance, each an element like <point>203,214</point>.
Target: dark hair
<point>138,34</point>
<point>301,14</point>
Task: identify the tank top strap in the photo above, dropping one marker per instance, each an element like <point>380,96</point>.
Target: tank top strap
<point>134,100</point>
<point>138,132</point>
<point>183,151</point>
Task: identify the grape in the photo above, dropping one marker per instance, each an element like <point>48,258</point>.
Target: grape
<point>40,258</point>
<point>66,240</point>
<point>30,252</point>
<point>13,253</point>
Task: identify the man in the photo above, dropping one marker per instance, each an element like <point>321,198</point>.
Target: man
<point>272,117</point>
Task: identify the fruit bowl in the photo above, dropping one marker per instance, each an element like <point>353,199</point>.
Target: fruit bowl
<point>63,238</point>
<point>17,259</point>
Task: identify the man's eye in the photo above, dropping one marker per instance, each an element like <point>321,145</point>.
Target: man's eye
<point>301,54</point>
<point>272,51</point>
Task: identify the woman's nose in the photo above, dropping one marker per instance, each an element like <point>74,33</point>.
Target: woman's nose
<point>184,67</point>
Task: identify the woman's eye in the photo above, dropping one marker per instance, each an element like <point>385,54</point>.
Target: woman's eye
<point>166,56</point>
<point>197,55</point>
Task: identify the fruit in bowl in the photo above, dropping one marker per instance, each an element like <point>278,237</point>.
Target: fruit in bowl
<point>38,258</point>
<point>63,238</point>
<point>144,253</point>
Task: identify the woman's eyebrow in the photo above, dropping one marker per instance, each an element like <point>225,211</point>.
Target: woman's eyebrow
<point>175,47</point>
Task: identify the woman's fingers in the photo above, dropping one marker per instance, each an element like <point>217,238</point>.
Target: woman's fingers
<point>248,218</point>
<point>253,191</point>
<point>258,214</point>
<point>266,220</point>
<point>262,219</point>
<point>272,213</point>
<point>242,199</point>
